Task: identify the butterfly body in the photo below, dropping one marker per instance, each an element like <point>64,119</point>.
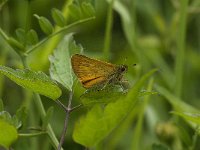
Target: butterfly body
<point>92,72</point>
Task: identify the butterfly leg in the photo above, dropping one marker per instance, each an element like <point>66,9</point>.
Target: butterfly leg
<point>124,85</point>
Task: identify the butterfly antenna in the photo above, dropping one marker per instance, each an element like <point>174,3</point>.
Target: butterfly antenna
<point>125,59</point>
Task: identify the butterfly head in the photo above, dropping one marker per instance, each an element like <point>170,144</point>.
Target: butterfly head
<point>122,69</point>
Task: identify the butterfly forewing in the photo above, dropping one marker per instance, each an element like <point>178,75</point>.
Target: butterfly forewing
<point>91,72</point>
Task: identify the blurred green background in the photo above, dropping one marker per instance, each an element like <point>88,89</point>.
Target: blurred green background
<point>163,34</point>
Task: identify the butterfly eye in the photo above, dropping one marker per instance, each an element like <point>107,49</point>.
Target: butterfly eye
<point>123,69</point>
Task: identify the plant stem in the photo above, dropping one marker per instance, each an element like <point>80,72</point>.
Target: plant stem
<point>41,110</point>
<point>3,34</point>
<point>58,32</point>
<point>76,107</point>
<point>31,134</point>
<point>66,120</point>
<point>138,130</point>
<point>108,33</point>
<point>181,48</point>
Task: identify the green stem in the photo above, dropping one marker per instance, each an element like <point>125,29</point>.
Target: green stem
<point>194,139</point>
<point>31,134</point>
<point>3,34</point>
<point>66,121</point>
<point>43,114</point>
<point>181,48</point>
<point>58,32</point>
<point>108,33</point>
<point>42,111</point>
<point>138,130</point>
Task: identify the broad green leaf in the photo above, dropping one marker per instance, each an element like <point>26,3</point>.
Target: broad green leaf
<point>104,96</point>
<point>58,17</point>
<point>38,82</point>
<point>32,37</point>
<point>8,134</point>
<point>100,121</point>
<point>45,24</point>
<point>195,118</point>
<point>60,69</point>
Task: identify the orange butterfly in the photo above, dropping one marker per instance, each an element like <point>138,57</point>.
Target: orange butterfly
<point>92,72</point>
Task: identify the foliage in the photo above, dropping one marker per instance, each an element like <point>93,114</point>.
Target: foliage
<point>160,111</point>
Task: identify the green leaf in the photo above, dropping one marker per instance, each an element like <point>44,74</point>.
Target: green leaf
<point>4,115</point>
<point>87,9</point>
<point>74,12</point>
<point>100,121</point>
<point>21,114</point>
<point>60,69</point>
<point>58,17</point>
<point>32,37</point>
<point>107,95</point>
<point>195,118</point>
<point>47,118</point>
<point>38,82</point>
<point>80,11</point>
<point>178,104</point>
<point>45,24</point>
<point>21,35</point>
<point>8,134</point>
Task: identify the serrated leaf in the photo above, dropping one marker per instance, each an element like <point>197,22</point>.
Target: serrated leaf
<point>60,69</point>
<point>47,118</point>
<point>32,37</point>
<point>100,121</point>
<point>38,82</point>
<point>8,134</point>
<point>58,17</point>
<point>21,35</point>
<point>45,24</point>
